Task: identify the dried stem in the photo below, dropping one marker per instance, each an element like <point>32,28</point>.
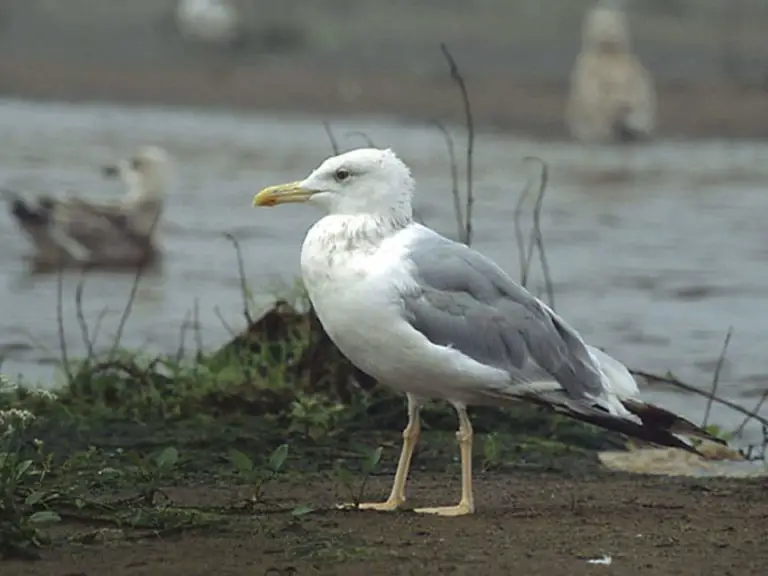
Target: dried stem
<point>198,330</point>
<point>674,382</point>
<point>752,415</point>
<point>716,377</point>
<point>84,331</point>
<point>457,210</point>
<point>227,327</point>
<point>537,237</point>
<point>128,309</point>
<point>331,137</point>
<point>470,200</point>
<point>60,323</point>
<point>241,273</point>
<point>367,139</point>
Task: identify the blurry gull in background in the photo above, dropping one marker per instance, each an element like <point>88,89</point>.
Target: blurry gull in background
<point>208,21</point>
<point>435,319</point>
<point>612,96</point>
<point>78,232</point>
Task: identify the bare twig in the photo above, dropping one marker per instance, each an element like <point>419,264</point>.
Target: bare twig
<point>470,200</point>
<point>128,309</point>
<point>367,139</point>
<point>537,237</point>
<point>84,331</point>
<point>674,382</point>
<point>198,330</point>
<point>716,377</point>
<point>60,323</point>
<point>132,294</point>
<point>457,210</point>
<point>241,273</point>
<point>97,324</point>
<point>519,236</point>
<point>752,415</point>
<point>331,137</point>
<point>220,316</point>
<point>181,349</point>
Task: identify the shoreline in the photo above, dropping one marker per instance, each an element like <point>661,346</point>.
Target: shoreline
<point>691,109</point>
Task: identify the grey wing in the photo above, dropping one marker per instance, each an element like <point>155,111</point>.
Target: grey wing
<point>466,302</point>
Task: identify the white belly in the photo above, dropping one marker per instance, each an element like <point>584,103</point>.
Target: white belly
<point>357,297</point>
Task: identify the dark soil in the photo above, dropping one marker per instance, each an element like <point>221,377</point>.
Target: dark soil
<point>525,524</point>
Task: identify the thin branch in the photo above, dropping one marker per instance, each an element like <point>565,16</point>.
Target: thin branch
<point>331,137</point>
<point>197,329</point>
<point>459,79</point>
<point>519,236</point>
<point>60,323</point>
<point>752,415</point>
<point>674,382</point>
<point>134,290</point>
<point>84,331</point>
<point>367,139</point>
<point>716,377</point>
<point>537,238</point>
<point>241,273</point>
<point>181,348</point>
<point>97,324</point>
<point>457,210</point>
<point>220,316</point>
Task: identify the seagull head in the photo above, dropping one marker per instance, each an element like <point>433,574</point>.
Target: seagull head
<point>365,181</point>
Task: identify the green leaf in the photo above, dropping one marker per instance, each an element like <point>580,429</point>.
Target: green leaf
<point>44,517</point>
<point>372,460</point>
<point>167,458</point>
<point>22,468</point>
<point>302,510</point>
<point>34,497</point>
<point>278,457</point>
<point>241,462</point>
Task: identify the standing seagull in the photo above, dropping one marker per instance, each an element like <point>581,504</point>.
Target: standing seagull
<point>612,97</point>
<point>435,319</point>
<point>77,232</point>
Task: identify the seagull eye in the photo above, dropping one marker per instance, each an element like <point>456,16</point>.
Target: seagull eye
<point>341,174</point>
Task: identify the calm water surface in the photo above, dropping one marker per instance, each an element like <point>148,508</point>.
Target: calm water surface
<point>654,251</point>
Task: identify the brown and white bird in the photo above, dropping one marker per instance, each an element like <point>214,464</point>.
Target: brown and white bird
<point>75,231</point>
<point>612,96</point>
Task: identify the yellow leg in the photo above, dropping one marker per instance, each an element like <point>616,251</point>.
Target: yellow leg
<point>467,503</point>
<point>410,438</point>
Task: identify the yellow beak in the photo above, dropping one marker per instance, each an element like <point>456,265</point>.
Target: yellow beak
<point>282,194</point>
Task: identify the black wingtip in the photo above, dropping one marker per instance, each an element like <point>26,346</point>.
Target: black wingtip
<point>657,417</point>
<point>27,214</point>
<point>645,431</point>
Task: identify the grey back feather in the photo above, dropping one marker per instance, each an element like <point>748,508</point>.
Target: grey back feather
<point>468,303</point>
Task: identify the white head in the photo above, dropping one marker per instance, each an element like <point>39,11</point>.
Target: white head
<point>606,29</point>
<point>366,181</point>
<point>145,175</point>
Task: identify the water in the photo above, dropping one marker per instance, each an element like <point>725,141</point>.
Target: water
<point>655,251</point>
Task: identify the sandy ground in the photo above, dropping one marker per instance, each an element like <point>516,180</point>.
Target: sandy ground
<point>535,107</point>
<point>526,523</point>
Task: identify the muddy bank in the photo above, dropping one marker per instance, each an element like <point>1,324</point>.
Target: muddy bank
<point>524,105</point>
<point>527,523</point>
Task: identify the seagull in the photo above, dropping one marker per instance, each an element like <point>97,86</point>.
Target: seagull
<point>208,21</point>
<point>612,96</point>
<point>75,231</point>
<point>435,319</point>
